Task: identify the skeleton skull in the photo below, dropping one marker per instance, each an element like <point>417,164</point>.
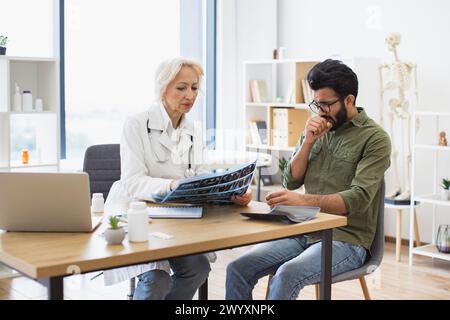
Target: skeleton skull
<point>393,40</point>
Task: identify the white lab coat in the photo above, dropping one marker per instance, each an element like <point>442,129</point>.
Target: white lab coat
<point>147,166</point>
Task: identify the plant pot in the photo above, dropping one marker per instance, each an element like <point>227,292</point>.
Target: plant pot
<point>445,194</point>
<point>2,51</point>
<point>114,236</point>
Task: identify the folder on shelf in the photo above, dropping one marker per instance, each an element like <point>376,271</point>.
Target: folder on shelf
<point>287,126</point>
<point>275,125</point>
<point>296,123</point>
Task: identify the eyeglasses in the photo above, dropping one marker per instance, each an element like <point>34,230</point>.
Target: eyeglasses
<point>324,106</point>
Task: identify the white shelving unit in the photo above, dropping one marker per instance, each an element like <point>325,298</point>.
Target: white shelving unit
<point>432,198</point>
<point>36,130</point>
<point>280,76</point>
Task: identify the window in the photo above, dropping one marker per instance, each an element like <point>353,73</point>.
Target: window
<point>28,24</point>
<point>112,49</point>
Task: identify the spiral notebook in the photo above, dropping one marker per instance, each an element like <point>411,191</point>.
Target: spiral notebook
<point>175,212</point>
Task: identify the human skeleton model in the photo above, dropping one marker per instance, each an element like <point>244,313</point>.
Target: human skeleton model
<point>397,77</point>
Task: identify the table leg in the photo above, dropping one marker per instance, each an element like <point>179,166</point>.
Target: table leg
<point>325,275</point>
<point>398,239</point>
<point>258,196</point>
<point>55,287</point>
<point>203,291</point>
<point>416,230</point>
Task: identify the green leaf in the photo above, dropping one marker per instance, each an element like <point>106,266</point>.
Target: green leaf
<point>283,163</point>
<point>114,222</point>
<point>3,41</point>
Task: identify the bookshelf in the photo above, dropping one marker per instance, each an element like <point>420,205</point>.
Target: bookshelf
<point>38,131</point>
<point>434,152</point>
<point>282,97</point>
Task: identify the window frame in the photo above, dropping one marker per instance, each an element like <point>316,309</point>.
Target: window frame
<point>210,52</point>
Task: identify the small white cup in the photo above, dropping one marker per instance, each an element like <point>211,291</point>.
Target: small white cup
<point>282,53</point>
<point>38,105</point>
<point>98,204</point>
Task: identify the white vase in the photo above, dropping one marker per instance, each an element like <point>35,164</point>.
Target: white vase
<point>445,194</point>
<point>114,236</point>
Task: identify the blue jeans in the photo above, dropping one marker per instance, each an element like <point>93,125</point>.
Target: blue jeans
<point>188,275</point>
<point>294,264</point>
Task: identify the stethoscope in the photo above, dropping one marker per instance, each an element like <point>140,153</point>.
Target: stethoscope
<point>189,171</point>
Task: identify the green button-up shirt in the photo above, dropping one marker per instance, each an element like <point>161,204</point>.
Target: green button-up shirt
<point>350,161</point>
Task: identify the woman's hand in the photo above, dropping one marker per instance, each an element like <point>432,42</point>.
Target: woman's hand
<point>173,184</point>
<point>244,199</point>
<point>284,197</point>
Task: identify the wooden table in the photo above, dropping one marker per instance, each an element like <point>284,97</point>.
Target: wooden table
<point>49,257</point>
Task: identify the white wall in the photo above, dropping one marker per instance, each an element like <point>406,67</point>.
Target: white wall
<point>192,23</point>
<point>358,28</point>
<point>346,28</point>
<point>247,30</point>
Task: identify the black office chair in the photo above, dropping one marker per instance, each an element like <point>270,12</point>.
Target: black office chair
<point>102,164</point>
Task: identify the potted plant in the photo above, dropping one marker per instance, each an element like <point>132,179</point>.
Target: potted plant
<point>282,164</point>
<point>115,233</point>
<point>445,192</point>
<point>3,42</point>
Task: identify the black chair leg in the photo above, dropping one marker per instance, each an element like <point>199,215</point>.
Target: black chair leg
<point>203,291</point>
<point>132,288</point>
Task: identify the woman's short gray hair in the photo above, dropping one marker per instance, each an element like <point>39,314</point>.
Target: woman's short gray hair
<point>168,70</point>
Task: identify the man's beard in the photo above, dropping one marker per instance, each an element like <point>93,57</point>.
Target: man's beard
<point>339,119</point>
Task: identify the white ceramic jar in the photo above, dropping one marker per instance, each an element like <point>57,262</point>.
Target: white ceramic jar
<point>27,101</point>
<point>97,203</point>
<point>137,217</point>
<point>445,194</point>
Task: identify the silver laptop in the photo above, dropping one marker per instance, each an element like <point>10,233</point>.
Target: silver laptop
<point>46,202</point>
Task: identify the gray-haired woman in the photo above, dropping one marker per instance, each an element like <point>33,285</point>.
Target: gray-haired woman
<point>159,147</point>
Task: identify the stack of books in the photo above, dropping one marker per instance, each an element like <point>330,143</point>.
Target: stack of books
<point>258,132</point>
<point>258,91</point>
